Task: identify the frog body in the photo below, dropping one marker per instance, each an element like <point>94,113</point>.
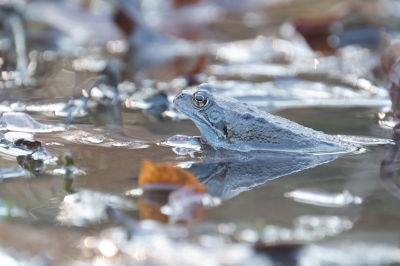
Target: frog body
<point>227,123</point>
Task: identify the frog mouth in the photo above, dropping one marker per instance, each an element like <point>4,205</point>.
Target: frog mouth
<point>203,121</point>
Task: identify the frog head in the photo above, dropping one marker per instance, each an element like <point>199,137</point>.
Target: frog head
<point>202,106</point>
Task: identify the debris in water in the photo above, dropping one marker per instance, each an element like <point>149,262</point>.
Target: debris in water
<point>321,197</point>
<point>104,92</point>
<point>150,240</point>
<point>29,152</point>
<point>186,142</point>
<point>306,228</point>
<point>25,123</point>
<point>364,251</point>
<point>152,107</point>
<point>103,138</point>
<point>11,173</point>
<point>29,163</point>
<point>85,207</point>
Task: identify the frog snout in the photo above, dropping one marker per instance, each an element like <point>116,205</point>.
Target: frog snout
<point>180,95</point>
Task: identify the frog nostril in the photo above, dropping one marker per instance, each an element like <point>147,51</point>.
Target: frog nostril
<point>180,95</point>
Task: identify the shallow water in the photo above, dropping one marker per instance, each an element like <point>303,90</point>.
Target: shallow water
<point>40,203</point>
<point>98,79</point>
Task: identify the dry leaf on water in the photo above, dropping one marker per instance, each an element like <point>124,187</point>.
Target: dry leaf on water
<point>166,176</point>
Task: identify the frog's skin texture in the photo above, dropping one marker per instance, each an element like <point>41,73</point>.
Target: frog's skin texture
<point>227,123</point>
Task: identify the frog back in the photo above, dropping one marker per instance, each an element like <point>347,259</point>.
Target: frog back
<point>248,128</point>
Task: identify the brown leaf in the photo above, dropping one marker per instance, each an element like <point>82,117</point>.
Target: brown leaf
<point>165,176</point>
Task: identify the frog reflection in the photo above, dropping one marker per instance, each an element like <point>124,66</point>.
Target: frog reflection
<point>226,173</point>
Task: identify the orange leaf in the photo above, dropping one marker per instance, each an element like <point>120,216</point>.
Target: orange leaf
<point>165,176</point>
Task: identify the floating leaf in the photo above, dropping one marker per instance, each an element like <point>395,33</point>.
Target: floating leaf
<point>165,176</point>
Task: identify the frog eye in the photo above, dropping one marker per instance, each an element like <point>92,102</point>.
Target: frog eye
<point>200,100</point>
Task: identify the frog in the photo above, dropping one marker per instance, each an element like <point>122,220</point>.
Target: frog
<point>226,123</point>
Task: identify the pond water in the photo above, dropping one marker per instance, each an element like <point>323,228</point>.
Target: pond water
<point>352,202</point>
<point>87,114</point>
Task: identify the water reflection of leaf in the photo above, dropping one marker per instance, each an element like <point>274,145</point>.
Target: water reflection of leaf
<point>159,181</point>
<point>150,210</point>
